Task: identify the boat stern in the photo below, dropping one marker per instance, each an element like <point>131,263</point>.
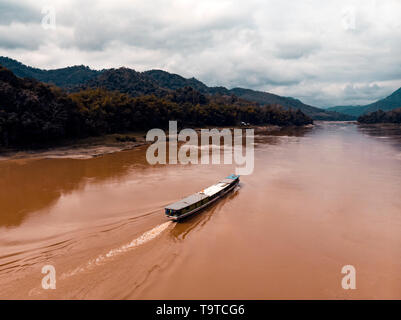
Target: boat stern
<point>171,214</point>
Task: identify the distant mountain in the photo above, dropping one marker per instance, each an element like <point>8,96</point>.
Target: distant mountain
<point>391,102</point>
<point>174,81</point>
<point>354,111</point>
<point>35,114</point>
<point>159,83</point>
<point>288,103</point>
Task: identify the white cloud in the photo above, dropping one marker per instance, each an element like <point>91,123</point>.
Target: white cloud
<point>325,53</point>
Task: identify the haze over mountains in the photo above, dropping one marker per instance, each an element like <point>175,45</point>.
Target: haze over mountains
<point>156,82</point>
<point>391,102</point>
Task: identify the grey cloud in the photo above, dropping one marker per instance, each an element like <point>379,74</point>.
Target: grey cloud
<point>293,48</point>
<point>148,24</point>
<point>12,11</point>
<point>296,50</point>
<point>11,43</point>
<point>361,94</point>
<point>27,37</point>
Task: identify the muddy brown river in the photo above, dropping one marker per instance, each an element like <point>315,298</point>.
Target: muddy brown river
<point>320,198</point>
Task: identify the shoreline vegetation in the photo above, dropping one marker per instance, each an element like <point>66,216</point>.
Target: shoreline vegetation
<point>34,115</point>
<point>380,116</point>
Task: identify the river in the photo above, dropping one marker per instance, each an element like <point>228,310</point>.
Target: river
<point>319,198</point>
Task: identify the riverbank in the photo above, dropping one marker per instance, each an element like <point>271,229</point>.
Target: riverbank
<point>92,147</point>
<point>380,125</point>
<point>85,148</point>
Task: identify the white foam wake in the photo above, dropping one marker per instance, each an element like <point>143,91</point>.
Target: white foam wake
<point>145,237</point>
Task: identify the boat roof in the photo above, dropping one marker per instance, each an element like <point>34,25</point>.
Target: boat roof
<point>196,197</point>
<point>216,188</point>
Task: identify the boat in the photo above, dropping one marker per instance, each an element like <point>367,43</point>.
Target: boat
<point>196,202</point>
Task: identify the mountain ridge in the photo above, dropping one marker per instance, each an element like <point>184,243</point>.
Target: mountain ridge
<point>35,114</point>
<point>158,82</point>
<point>391,102</point>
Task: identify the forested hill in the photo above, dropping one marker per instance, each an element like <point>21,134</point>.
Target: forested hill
<point>393,116</point>
<point>64,77</point>
<point>33,113</point>
<point>127,81</point>
<point>156,82</point>
<point>174,81</point>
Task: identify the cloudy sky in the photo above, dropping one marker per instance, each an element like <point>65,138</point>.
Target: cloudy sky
<point>325,53</point>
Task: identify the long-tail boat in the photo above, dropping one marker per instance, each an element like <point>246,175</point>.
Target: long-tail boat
<point>196,202</point>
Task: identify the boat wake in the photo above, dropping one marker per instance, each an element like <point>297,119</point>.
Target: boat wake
<point>144,238</point>
<point>44,250</point>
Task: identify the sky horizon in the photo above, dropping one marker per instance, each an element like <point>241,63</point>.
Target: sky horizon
<point>325,54</point>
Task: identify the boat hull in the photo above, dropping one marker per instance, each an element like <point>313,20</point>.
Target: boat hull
<point>224,193</point>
